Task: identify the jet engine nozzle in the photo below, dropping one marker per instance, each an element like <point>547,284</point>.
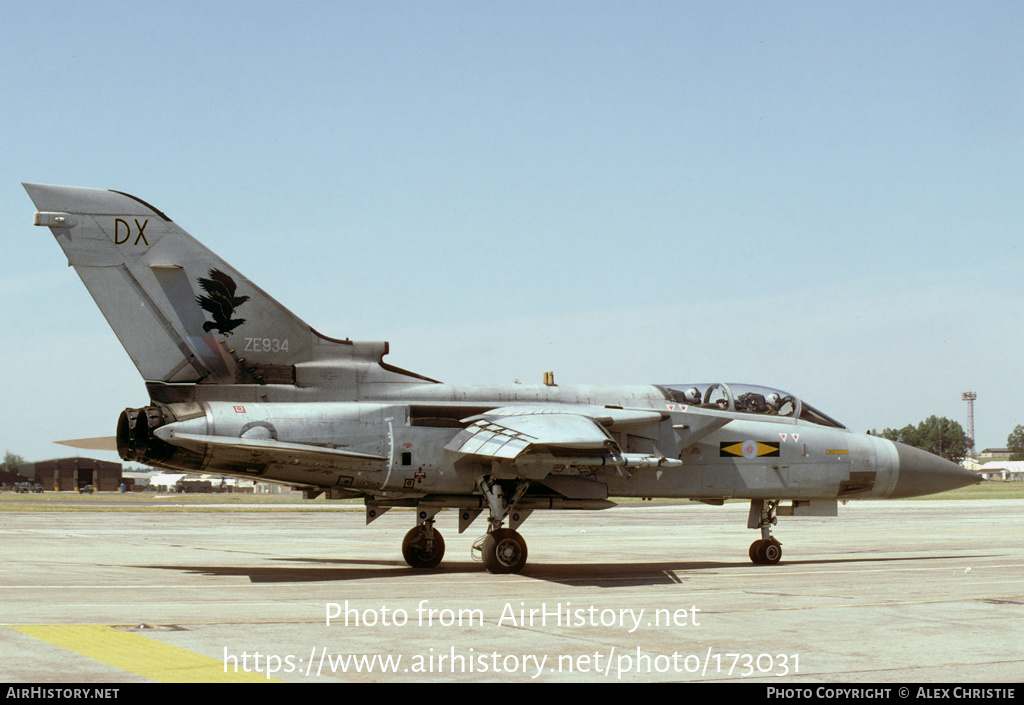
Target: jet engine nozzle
<point>135,439</point>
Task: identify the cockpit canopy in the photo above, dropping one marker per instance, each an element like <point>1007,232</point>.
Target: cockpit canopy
<point>747,399</point>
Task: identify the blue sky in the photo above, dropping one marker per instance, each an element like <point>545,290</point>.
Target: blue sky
<point>822,197</point>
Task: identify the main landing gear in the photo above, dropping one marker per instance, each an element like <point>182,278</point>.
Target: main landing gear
<point>767,550</point>
<point>502,550</point>
<point>423,545</point>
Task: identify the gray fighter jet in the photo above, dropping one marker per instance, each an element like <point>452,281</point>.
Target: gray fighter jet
<point>240,386</point>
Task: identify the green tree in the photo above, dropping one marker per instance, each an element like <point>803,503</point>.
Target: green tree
<point>1015,443</point>
<point>11,462</point>
<point>938,435</point>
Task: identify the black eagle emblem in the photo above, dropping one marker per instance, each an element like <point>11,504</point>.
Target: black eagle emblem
<point>220,302</point>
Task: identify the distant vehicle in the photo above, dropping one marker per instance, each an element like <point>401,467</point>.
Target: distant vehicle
<point>86,489</point>
<point>193,486</point>
<point>28,487</point>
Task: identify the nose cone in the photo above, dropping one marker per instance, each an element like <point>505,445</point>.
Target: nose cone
<point>921,473</point>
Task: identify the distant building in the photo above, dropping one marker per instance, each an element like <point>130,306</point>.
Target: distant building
<point>181,482</point>
<point>971,464</point>
<point>1005,470</point>
<point>70,474</point>
<point>9,479</point>
<point>994,454</point>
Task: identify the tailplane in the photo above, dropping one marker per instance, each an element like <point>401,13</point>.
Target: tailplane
<point>184,315</point>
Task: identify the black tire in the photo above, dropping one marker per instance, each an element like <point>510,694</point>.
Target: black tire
<point>504,551</point>
<point>421,553</point>
<point>765,552</point>
<point>755,548</point>
<point>771,552</point>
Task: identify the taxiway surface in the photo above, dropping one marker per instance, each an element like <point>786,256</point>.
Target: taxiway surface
<point>899,591</point>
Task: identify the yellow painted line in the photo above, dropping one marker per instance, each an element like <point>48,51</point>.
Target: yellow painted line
<point>140,655</point>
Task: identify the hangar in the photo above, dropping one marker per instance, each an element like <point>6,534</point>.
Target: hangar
<point>71,474</point>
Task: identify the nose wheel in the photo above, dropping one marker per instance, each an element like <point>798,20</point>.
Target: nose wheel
<point>766,551</point>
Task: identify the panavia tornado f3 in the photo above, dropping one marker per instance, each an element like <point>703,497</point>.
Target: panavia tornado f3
<point>241,387</point>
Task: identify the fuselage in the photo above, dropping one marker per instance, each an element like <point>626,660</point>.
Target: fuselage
<point>753,454</point>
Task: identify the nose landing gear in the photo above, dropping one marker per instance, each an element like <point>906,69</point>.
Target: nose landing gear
<point>767,550</point>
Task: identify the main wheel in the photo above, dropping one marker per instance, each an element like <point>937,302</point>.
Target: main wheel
<point>504,551</point>
<point>771,553</point>
<point>421,552</point>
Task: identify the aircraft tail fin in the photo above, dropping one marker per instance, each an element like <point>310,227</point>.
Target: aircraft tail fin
<point>184,315</point>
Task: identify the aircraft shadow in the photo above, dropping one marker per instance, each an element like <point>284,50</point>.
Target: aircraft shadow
<point>612,575</point>
<point>601,575</point>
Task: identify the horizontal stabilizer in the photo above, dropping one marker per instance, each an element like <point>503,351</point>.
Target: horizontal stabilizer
<point>99,443</point>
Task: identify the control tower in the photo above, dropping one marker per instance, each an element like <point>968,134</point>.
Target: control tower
<point>969,397</point>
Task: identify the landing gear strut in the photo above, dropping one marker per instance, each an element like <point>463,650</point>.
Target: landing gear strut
<point>767,550</point>
<point>502,550</point>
